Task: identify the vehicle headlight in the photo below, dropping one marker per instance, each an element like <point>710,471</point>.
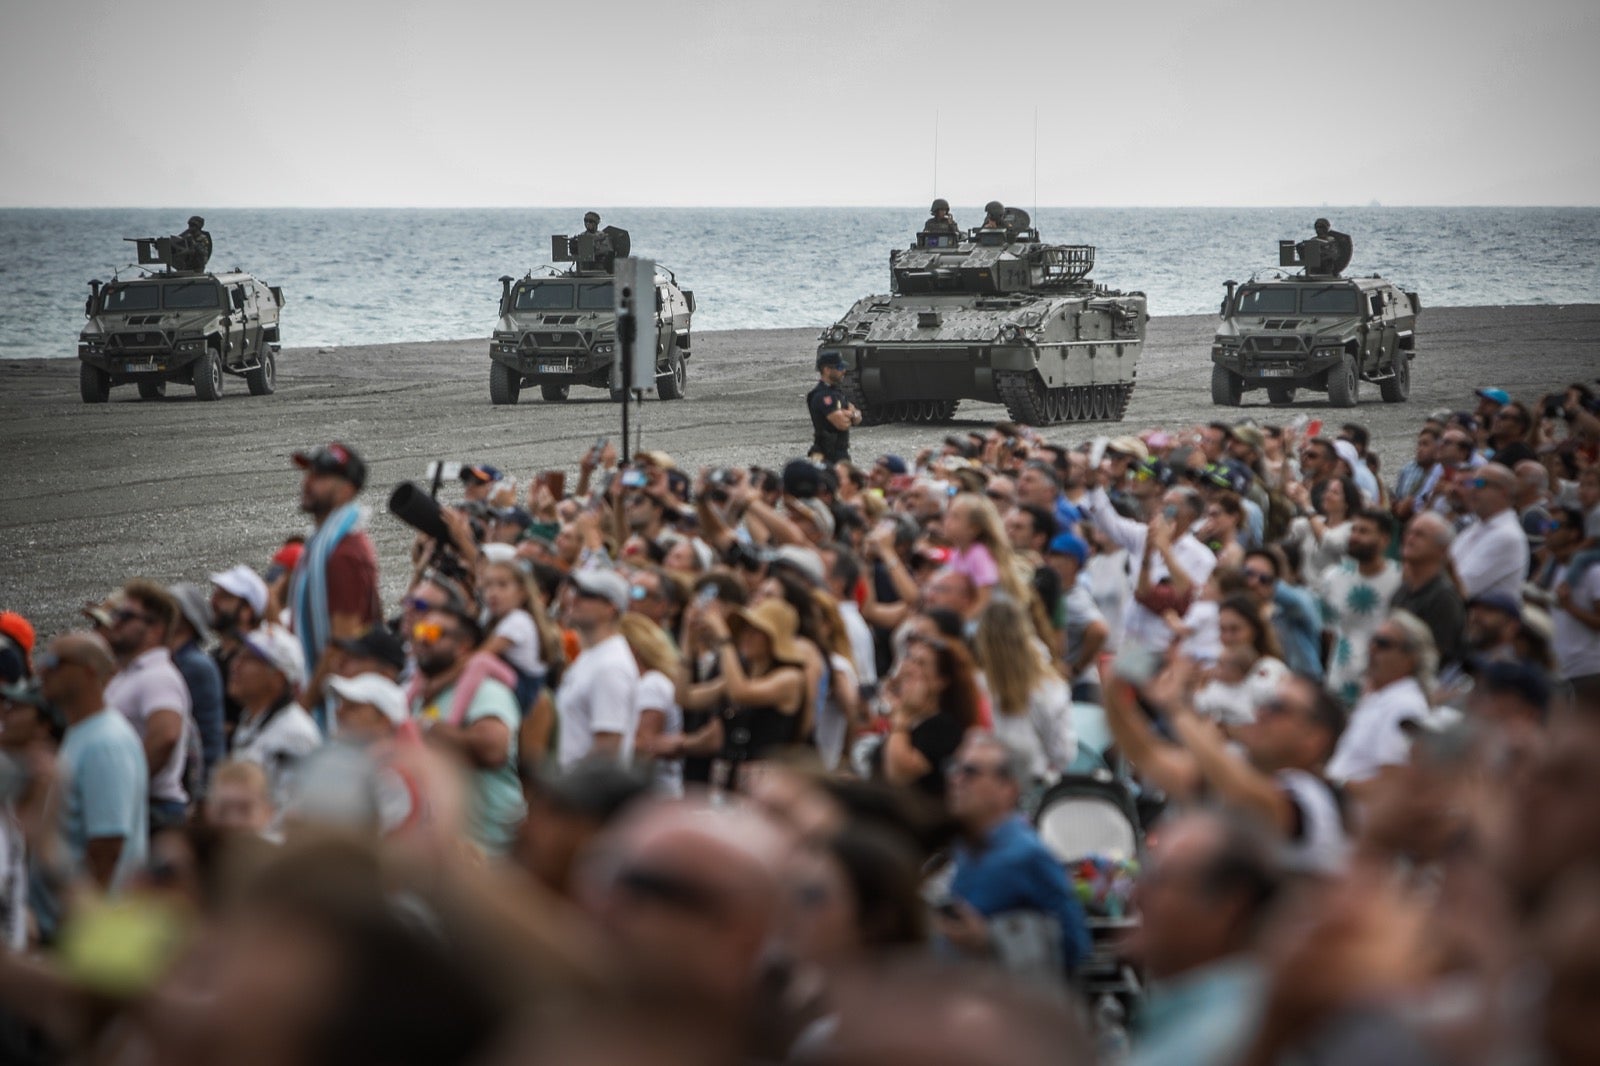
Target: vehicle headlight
<point>834,335</point>
<point>605,349</point>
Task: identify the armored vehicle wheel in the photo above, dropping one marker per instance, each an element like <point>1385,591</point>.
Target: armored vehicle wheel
<point>1124,394</point>
<point>264,378</point>
<point>208,376</point>
<point>1280,393</point>
<point>554,393</point>
<point>93,384</point>
<point>1344,382</point>
<point>1398,388</point>
<point>1227,388</point>
<point>152,390</point>
<point>505,384</point>
<point>675,382</point>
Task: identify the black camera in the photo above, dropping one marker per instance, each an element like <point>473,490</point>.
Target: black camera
<point>414,506</point>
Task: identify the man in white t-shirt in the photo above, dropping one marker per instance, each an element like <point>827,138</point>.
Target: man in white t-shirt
<point>1491,554</point>
<point>1355,596</point>
<point>595,703</point>
<point>1401,657</point>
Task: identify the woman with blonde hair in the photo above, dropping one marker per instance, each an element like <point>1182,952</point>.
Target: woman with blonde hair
<point>982,550</point>
<point>1031,703</point>
<point>658,734</point>
<point>841,715</point>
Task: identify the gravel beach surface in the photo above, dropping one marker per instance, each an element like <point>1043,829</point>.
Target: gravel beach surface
<point>178,488</point>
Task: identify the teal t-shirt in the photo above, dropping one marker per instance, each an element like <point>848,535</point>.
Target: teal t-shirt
<point>106,794</point>
<point>497,804</point>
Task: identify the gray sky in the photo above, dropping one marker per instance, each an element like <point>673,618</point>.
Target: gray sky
<point>750,102</point>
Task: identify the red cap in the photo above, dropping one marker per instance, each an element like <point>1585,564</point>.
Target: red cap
<point>19,629</point>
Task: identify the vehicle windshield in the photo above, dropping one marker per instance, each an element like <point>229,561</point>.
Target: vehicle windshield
<point>544,296</point>
<point>1272,300</point>
<point>595,296</point>
<point>1328,301</point>
<point>189,295</point>
<point>124,299</point>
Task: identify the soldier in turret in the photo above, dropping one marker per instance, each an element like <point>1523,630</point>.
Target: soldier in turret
<point>598,251</point>
<point>994,215</point>
<point>191,249</point>
<point>1339,244</point>
<point>940,220</point>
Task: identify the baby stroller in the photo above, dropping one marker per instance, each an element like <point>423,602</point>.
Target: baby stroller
<point>1090,823</point>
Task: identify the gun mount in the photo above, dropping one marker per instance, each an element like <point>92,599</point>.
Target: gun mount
<point>591,253</point>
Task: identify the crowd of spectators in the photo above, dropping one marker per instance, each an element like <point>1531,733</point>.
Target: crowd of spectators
<point>741,764</point>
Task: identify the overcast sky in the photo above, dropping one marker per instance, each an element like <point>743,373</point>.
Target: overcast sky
<point>748,102</point>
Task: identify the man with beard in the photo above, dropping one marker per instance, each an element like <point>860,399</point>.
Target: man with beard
<point>1492,623</point>
<point>482,732</point>
<point>595,700</point>
<point>1318,462</point>
<point>1355,600</point>
<point>150,691</point>
<point>333,592</point>
<point>238,605</point>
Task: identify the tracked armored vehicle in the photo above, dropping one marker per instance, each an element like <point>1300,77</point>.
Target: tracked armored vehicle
<point>994,314</point>
<point>559,329</point>
<point>185,326</point>
<point>1316,330</point>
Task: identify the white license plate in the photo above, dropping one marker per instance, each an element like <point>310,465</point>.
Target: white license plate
<point>143,368</point>
<point>552,368</point>
<point>1276,372</point>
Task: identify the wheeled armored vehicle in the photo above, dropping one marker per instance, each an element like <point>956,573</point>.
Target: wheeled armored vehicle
<point>992,314</point>
<point>185,326</point>
<point>559,329</point>
<point>1316,330</point>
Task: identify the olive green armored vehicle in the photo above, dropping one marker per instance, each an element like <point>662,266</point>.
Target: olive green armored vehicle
<point>559,329</point>
<point>184,326</point>
<point>1316,330</point>
<point>992,314</point>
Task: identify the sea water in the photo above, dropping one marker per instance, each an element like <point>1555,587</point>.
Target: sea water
<point>363,276</point>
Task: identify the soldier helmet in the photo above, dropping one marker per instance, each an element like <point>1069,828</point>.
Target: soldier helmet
<point>1321,223</point>
<point>592,216</point>
<point>196,220</point>
<point>940,204</point>
<point>995,209</point>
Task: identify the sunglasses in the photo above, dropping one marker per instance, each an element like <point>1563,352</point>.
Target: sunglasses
<point>119,617</point>
<point>421,606</point>
<point>1258,577</point>
<point>1383,643</point>
<point>429,632</point>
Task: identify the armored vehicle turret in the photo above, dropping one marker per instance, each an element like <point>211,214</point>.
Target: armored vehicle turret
<point>184,326</point>
<point>1316,329</point>
<point>992,314</point>
<point>559,329</point>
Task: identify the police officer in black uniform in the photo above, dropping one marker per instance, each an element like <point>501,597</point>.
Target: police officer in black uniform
<point>831,414</point>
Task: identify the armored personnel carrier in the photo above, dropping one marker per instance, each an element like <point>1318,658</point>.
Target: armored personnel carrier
<point>559,329</point>
<point>994,314</point>
<point>1315,330</point>
<point>184,326</point>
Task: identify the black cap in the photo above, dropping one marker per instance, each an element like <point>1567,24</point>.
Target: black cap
<point>334,458</point>
<point>29,694</point>
<point>830,358</point>
<point>801,479</point>
<point>376,643</point>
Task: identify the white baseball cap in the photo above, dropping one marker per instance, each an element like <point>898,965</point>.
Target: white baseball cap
<point>607,585</point>
<point>1347,451</point>
<point>375,690</point>
<point>245,583</point>
<point>281,651</point>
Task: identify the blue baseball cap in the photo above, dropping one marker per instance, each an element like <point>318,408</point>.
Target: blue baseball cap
<point>892,463</point>
<point>1068,544</point>
<point>1499,396</point>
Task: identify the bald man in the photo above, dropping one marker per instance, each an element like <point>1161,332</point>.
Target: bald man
<point>104,814</point>
<point>1491,554</point>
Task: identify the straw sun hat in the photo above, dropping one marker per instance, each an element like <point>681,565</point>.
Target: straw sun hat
<point>777,620</point>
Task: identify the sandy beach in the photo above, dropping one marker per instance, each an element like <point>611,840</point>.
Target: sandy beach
<point>178,488</point>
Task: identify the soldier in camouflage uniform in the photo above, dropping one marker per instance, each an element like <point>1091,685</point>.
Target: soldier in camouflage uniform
<point>940,220</point>
<point>601,253</point>
<point>191,249</point>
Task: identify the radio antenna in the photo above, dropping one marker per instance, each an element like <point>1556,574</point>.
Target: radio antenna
<point>1036,168</point>
<point>935,153</point>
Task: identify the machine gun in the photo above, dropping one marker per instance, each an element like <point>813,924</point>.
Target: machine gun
<point>1321,256</point>
<point>591,252</point>
<point>176,253</point>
